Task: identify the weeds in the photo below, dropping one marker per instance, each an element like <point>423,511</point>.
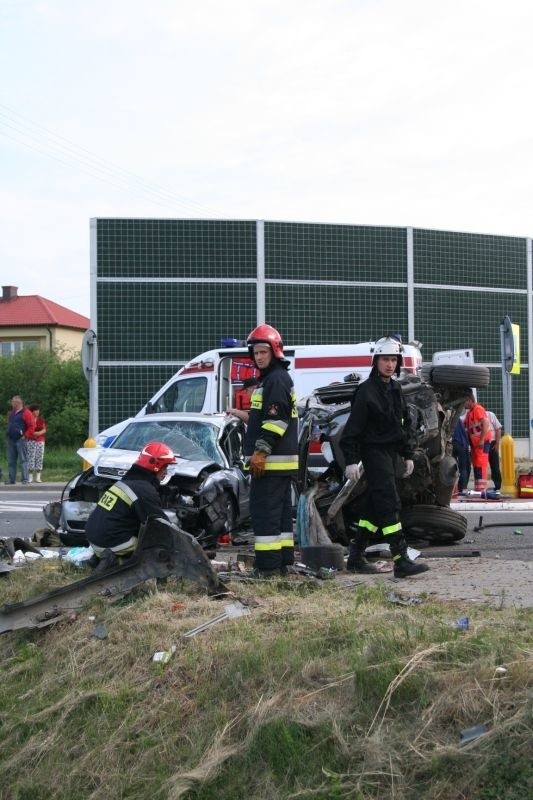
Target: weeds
<point>329,695</point>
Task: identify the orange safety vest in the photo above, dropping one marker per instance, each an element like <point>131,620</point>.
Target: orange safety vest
<point>474,424</point>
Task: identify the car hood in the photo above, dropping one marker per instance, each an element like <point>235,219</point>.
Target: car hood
<point>114,463</point>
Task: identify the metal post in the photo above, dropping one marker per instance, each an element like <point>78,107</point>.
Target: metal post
<point>260,245</point>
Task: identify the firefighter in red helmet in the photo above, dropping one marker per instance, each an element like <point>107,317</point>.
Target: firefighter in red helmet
<point>271,449</point>
<point>378,438</point>
<point>113,526</point>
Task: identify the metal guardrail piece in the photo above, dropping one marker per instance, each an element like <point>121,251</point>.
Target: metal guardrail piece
<point>163,551</point>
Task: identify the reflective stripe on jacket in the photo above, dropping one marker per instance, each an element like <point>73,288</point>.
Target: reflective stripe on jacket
<point>273,421</point>
<point>123,507</point>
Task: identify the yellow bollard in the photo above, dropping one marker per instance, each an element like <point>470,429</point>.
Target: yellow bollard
<point>91,443</point>
<point>507,464</point>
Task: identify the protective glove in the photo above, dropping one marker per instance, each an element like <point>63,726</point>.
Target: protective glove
<point>409,466</point>
<point>353,472</point>
<point>257,463</point>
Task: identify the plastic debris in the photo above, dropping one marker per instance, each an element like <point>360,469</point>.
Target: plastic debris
<point>79,555</point>
<point>99,632</point>
<point>470,734</point>
<point>49,553</point>
<point>500,671</point>
<point>461,624</point>
<point>518,532</point>
<point>20,557</point>
<point>163,656</point>
<point>326,573</point>
<point>392,597</point>
<point>231,611</point>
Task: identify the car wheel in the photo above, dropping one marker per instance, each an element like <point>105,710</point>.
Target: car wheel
<point>473,376</point>
<point>433,524</point>
<point>226,503</point>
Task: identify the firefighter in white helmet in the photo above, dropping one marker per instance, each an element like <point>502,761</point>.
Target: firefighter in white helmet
<point>377,435</point>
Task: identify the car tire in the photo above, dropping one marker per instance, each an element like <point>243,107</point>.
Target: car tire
<point>433,524</point>
<point>324,555</point>
<point>227,501</point>
<point>473,376</point>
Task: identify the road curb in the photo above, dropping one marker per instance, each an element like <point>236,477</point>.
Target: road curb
<point>45,486</point>
<point>492,505</point>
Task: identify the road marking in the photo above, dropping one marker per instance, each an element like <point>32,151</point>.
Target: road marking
<point>493,506</point>
<point>14,505</point>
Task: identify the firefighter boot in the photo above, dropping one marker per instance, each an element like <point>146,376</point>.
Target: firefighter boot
<point>356,554</point>
<point>403,566</point>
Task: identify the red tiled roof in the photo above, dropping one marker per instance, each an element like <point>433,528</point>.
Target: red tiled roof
<point>35,310</point>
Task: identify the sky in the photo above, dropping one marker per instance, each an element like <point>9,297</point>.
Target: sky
<point>364,112</point>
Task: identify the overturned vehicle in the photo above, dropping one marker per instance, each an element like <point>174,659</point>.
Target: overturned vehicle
<point>435,401</point>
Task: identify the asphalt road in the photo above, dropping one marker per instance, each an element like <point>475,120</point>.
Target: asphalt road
<point>21,508</point>
<point>21,514</point>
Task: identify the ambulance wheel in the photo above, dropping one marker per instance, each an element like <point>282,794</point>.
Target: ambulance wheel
<point>471,376</point>
<point>433,524</point>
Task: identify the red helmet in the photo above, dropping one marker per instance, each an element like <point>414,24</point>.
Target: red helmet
<point>265,334</point>
<point>154,456</point>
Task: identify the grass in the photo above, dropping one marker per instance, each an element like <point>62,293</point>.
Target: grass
<point>60,464</point>
<point>321,693</point>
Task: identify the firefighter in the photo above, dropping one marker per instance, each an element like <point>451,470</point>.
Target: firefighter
<point>376,438</point>
<point>479,434</point>
<point>113,526</point>
<point>271,450</point>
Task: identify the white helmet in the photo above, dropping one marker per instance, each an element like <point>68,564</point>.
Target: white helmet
<point>389,346</point>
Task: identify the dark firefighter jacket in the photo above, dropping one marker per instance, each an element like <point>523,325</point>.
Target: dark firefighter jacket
<point>123,507</point>
<point>378,417</point>
<point>273,421</point>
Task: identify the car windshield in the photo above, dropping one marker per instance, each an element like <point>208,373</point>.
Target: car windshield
<point>195,441</point>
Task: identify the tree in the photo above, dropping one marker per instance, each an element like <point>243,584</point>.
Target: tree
<point>59,387</point>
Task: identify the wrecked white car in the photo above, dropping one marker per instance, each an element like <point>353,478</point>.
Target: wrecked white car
<point>206,492</point>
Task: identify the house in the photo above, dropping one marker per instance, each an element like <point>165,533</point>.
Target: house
<point>34,321</point>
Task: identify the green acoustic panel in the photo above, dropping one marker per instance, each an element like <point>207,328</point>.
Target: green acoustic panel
<point>467,259</point>
<point>176,248</point>
<point>520,390</point>
<point>159,321</point>
<point>125,390</point>
<point>167,290</point>
<point>447,320</point>
<point>329,314</point>
<point>301,251</point>
<point>492,399</point>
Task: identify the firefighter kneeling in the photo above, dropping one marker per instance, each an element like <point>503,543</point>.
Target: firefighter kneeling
<point>113,526</point>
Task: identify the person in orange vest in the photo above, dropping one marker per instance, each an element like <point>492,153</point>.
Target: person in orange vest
<point>479,435</point>
<point>243,399</point>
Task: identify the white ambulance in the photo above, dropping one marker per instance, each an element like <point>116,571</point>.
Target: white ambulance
<point>211,381</point>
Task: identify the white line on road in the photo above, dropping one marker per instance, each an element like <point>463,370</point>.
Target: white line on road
<point>13,505</point>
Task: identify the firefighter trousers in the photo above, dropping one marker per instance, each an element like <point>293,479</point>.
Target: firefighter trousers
<point>382,508</point>
<point>271,513</point>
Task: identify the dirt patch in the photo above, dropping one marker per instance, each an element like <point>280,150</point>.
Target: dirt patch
<point>502,584</point>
